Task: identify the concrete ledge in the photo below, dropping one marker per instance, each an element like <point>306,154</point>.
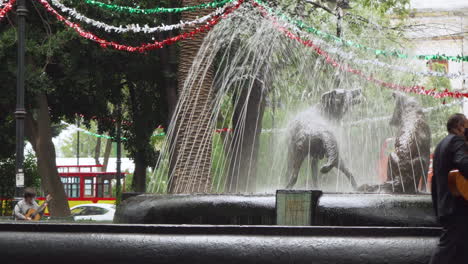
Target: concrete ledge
<point>354,209</point>
<point>66,243</point>
<point>198,209</point>
<point>360,209</point>
<point>220,229</point>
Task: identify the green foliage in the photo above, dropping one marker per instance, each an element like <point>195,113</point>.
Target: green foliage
<point>7,180</point>
<point>80,77</point>
<point>219,164</point>
<point>399,7</point>
<point>87,144</point>
<point>439,83</point>
<point>437,119</point>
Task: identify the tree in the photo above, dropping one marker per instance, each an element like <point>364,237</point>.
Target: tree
<point>147,99</point>
<point>144,103</point>
<point>7,182</point>
<point>55,89</point>
<point>75,76</point>
<point>89,144</point>
<point>245,138</point>
<point>191,160</point>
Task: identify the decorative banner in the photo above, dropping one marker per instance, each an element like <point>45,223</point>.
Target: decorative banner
<point>133,27</point>
<point>3,2</point>
<point>276,130</point>
<point>343,67</point>
<point>458,58</point>
<point>75,128</point>
<point>302,25</point>
<point>224,130</point>
<point>113,138</point>
<point>383,118</point>
<point>408,89</point>
<point>124,122</point>
<point>100,136</point>
<point>352,57</point>
<point>158,9</point>
<point>144,47</point>
<point>409,70</point>
<point>7,8</point>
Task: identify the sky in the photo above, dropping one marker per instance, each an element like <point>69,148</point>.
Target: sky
<point>439,4</point>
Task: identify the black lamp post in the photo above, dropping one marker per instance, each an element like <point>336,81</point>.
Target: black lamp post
<point>78,140</point>
<point>119,152</point>
<point>20,113</point>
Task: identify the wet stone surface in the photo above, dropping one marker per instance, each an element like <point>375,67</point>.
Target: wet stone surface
<point>332,210</point>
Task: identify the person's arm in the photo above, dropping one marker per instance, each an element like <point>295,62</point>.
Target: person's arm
<point>38,207</point>
<point>17,213</point>
<point>44,205</point>
<point>41,208</point>
<point>460,157</point>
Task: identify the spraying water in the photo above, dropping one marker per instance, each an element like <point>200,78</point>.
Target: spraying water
<point>263,82</point>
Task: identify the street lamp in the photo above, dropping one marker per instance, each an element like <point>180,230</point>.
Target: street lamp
<point>20,112</point>
<point>119,153</point>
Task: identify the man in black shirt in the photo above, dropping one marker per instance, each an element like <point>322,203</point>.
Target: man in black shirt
<point>452,212</point>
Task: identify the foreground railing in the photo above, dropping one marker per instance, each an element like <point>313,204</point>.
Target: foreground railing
<point>85,243</point>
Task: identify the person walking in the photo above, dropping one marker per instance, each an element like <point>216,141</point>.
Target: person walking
<point>451,211</point>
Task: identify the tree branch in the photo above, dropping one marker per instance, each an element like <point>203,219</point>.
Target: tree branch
<point>321,7</point>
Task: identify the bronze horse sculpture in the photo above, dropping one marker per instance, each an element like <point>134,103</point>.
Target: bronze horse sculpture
<point>409,163</point>
<point>310,135</point>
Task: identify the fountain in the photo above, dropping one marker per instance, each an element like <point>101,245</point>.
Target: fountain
<point>265,82</point>
<point>263,79</point>
<point>264,86</point>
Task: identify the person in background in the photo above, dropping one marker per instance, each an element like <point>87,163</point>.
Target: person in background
<point>451,211</point>
<point>27,203</point>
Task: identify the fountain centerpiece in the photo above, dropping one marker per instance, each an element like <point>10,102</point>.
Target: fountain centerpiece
<point>261,135</point>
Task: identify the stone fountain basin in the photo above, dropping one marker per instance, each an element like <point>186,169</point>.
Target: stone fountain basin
<point>85,243</point>
<point>334,209</point>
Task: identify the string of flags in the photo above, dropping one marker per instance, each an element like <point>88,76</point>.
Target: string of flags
<point>223,8</point>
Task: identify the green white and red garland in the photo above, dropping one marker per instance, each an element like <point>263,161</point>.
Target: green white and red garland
<point>143,47</point>
<point>350,56</point>
<point>146,29</point>
<point>5,8</point>
<point>137,10</point>
<point>214,18</point>
<point>272,130</point>
<point>417,89</point>
<point>134,27</point>
<point>327,36</point>
<point>3,2</point>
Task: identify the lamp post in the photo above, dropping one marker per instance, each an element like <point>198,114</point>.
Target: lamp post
<point>78,140</point>
<point>20,112</point>
<point>119,152</point>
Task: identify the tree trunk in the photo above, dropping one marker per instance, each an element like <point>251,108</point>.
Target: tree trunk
<point>245,140</point>
<point>190,163</point>
<point>97,151</point>
<point>39,134</point>
<point>167,56</point>
<point>143,132</point>
<point>139,175</point>
<point>107,153</point>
